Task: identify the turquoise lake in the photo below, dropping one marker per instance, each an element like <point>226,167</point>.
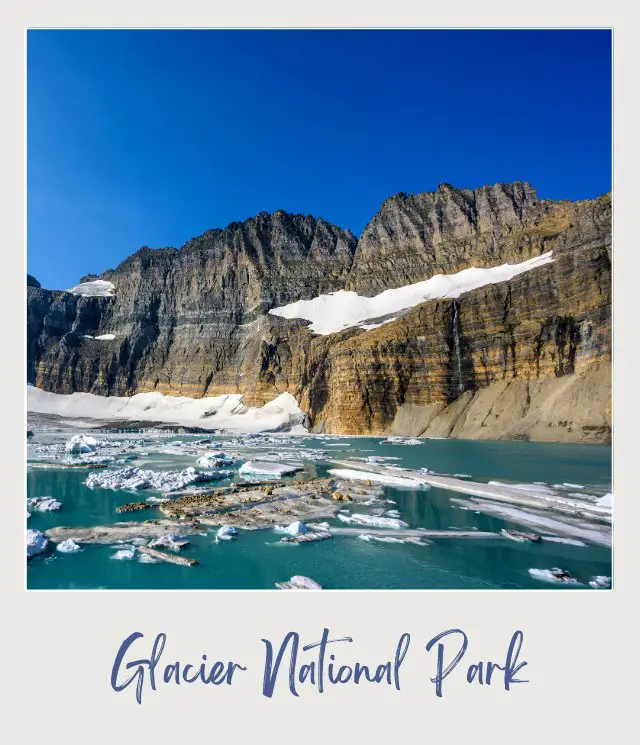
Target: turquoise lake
<point>257,559</point>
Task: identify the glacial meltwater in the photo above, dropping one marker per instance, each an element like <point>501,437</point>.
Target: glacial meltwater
<point>257,559</point>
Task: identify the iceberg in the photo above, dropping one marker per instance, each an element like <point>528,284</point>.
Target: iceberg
<point>135,478</point>
<point>82,444</point>
<point>600,582</point>
<point>43,504</point>
<point>215,460</point>
<point>124,554</point>
<point>401,441</point>
<point>299,582</point>
<point>68,547</point>
<point>555,575</point>
<point>36,542</point>
<point>253,468</point>
<point>373,520</point>
<point>226,533</point>
<point>380,478</point>
<point>296,528</point>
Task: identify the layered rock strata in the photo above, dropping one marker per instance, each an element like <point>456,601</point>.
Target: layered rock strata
<point>526,359</point>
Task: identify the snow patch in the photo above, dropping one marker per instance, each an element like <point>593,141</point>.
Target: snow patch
<point>95,288</point>
<point>345,309</point>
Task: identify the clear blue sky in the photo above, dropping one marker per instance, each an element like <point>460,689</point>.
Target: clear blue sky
<point>152,137</point>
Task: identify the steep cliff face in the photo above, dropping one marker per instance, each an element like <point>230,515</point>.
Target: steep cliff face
<point>528,358</point>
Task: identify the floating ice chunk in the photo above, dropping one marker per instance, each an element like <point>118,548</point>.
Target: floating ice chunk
<point>353,474</point>
<point>226,533</point>
<point>68,547</point>
<point>299,582</point>
<point>572,486</point>
<point>377,521</point>
<point>253,468</point>
<point>95,288</point>
<point>215,460</point>
<point>135,478</point>
<point>81,444</point>
<point>36,542</point>
<point>171,541</point>
<point>567,541</point>
<point>401,441</point>
<point>296,528</point>
<point>90,459</point>
<point>555,575</point>
<point>124,554</point>
<point>146,559</point>
<point>43,504</point>
<point>539,489</point>
<point>605,501</point>
<point>600,582</point>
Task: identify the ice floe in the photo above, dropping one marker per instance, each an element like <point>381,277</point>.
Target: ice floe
<point>226,412</point>
<point>133,477</point>
<point>600,582</point>
<point>124,554</point>
<point>377,521</point>
<point>36,542</point>
<point>83,444</point>
<point>299,582</point>
<point>605,501</point>
<point>402,441</point>
<point>555,575</point>
<point>215,460</point>
<point>345,309</point>
<point>226,533</point>
<point>43,504</point>
<point>296,528</point>
<point>380,478</point>
<point>95,288</point>
<point>68,547</point>
<point>253,468</point>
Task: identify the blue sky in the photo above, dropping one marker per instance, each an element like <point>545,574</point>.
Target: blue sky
<point>152,137</point>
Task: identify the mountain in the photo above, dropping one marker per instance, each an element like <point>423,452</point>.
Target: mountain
<point>526,358</point>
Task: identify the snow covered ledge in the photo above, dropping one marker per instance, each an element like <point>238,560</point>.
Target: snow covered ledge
<point>216,412</point>
<point>95,288</point>
<point>345,309</point>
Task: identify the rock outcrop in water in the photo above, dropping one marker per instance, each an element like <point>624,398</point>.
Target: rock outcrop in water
<point>527,359</point>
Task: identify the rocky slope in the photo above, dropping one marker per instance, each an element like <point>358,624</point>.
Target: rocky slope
<point>528,358</point>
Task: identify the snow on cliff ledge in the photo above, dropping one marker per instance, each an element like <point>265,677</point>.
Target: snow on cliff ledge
<point>96,288</point>
<point>216,412</point>
<point>344,309</point>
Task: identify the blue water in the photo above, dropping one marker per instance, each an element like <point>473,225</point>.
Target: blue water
<point>257,560</point>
